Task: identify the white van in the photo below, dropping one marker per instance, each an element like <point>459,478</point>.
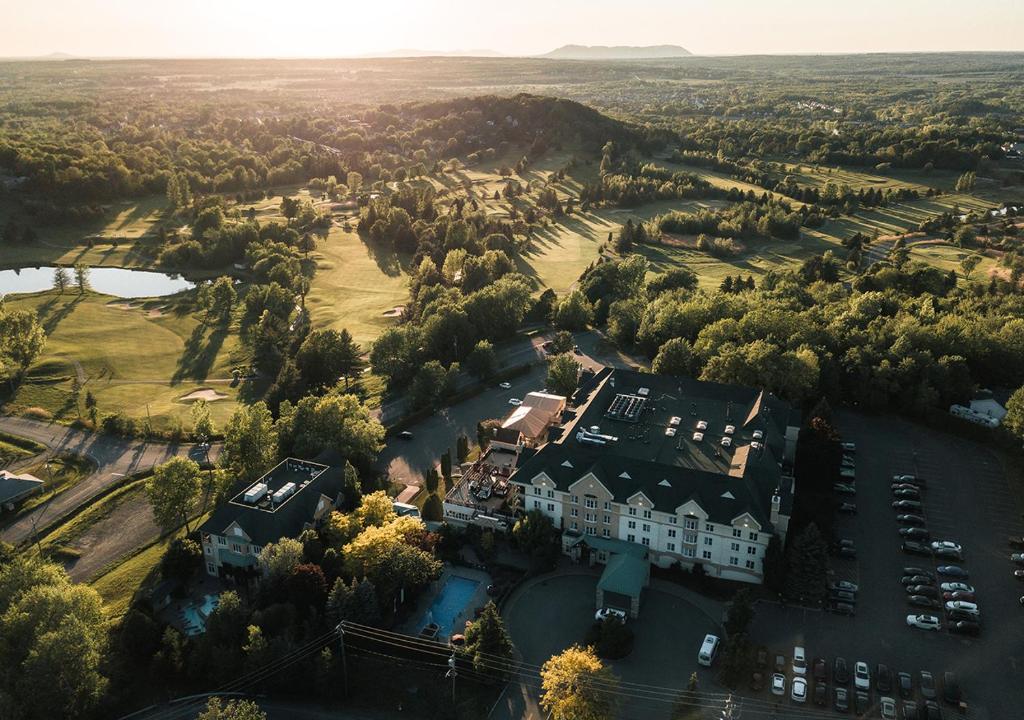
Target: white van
<point>799,661</point>
<point>708,650</point>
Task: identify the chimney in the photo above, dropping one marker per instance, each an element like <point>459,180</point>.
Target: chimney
<point>776,505</point>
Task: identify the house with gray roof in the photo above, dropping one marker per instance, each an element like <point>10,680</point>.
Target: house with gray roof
<point>691,472</point>
<point>293,496</point>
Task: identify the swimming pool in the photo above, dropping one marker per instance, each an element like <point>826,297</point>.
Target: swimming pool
<point>449,603</point>
<point>194,616</point>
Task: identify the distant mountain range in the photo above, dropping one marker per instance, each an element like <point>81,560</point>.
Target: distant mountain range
<point>616,52</point>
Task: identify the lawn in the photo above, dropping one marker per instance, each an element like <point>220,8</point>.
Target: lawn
<point>66,533</point>
<point>61,473</point>
<point>13,449</point>
<point>118,586</point>
<point>141,358</point>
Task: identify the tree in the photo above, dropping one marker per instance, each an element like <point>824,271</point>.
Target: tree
<point>462,448</point>
<point>562,342</point>
<point>338,601</point>
<point>563,374</point>
<point>325,356</point>
<point>250,443</point>
<point>674,358</point>
<point>61,279</point>
<point>336,421</point>
<point>222,298</point>
<point>1014,418</point>
<point>968,264</point>
<point>574,312</point>
<point>740,613</point>
<point>354,181</point>
<point>202,422</point>
<point>306,587</point>
<point>427,388</point>
<point>482,361</point>
<point>382,554</point>
<point>376,510</point>
<point>280,559</point>
<point>22,338</point>
<point>488,643</point>
<point>182,558</point>
<point>231,710</point>
<point>735,659</point>
<point>307,244</point>
<point>173,491</point>
<point>433,508</point>
<point>807,575</point>
<point>774,565</point>
<point>576,685</point>
<point>81,277</point>
<point>965,183</point>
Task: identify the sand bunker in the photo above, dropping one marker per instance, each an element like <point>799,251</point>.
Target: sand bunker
<point>206,394</point>
<point>122,305</point>
<point>396,311</point>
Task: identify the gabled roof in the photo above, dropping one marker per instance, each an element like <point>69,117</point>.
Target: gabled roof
<point>13,487</point>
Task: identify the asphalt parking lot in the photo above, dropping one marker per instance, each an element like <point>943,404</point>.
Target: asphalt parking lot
<point>967,500</point>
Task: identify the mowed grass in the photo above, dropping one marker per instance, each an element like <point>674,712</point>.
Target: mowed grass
<point>138,358</point>
<point>60,474</point>
<point>119,586</point>
<point>948,257</point>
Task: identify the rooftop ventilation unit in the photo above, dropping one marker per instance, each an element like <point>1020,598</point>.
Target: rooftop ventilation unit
<point>626,407</point>
<point>758,434</point>
<point>702,424</point>
<point>286,491</point>
<point>756,445</point>
<point>643,392</point>
<point>726,441</point>
<point>674,422</point>
<point>730,429</point>
<point>254,494</point>
<point>670,431</point>
<point>698,436</point>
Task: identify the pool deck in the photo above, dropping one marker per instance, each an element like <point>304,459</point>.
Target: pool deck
<point>478,600</point>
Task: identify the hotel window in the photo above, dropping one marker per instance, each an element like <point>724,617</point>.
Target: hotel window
<point>671,547</point>
<point>536,504</point>
<point>706,554</point>
<point>590,531</point>
<point>632,511</point>
<point>551,507</point>
<point>591,517</point>
<point>536,491</point>
<point>671,532</point>
<point>573,525</point>
<point>631,524</point>
<point>631,537</point>
<point>647,514</point>
<point>209,550</point>
<point>709,541</point>
<point>602,556</point>
<point>235,547</point>
<point>256,549</point>
<point>689,552</point>
<point>646,541</point>
<point>573,512</point>
<point>551,493</point>
<point>646,527</point>
<point>735,547</point>
<point>736,532</point>
<point>591,503</point>
<point>607,519</point>
<point>753,537</point>
<point>672,520</point>
<point>692,537</point>
<point>210,569</point>
<point>221,541</point>
<point>606,532</point>
<point>734,560</point>
<point>574,500</point>
<point>708,527</point>
<point>751,550</point>
<point>750,564</point>
<point>607,505</point>
<point>690,523</point>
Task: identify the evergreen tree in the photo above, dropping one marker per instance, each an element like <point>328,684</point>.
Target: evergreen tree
<point>488,643</point>
<point>61,279</point>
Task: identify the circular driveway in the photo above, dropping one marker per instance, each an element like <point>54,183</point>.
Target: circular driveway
<point>545,616</point>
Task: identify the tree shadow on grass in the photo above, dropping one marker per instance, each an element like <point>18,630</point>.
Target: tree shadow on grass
<point>50,315</point>
<point>200,353</point>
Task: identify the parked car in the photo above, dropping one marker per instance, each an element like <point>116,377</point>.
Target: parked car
<point>907,494</point>
<point>950,688</point>
<point>927,685</point>
<point>515,401</point>
<point>840,608</point>
<point>848,508</point>
<point>821,694</point>
<point>849,447</point>
<point>887,708</point>
<point>820,670</point>
<point>958,595</point>
<point>932,711</point>
<point>910,710</point>
<point>861,703</point>
<point>954,571</point>
<point>841,699</point>
<point>1017,541</point>
<point>778,684</point>
<point>840,671</point>
<point>1017,558</point>
<point>956,587</point>
<point>926,590</point>
<point>919,571</point>
<point>798,690</point>
<point>842,596</point>
<point>861,676</point>
<point>915,533</point>
<point>961,615</point>
<point>1019,574</point>
<point>608,612</point>
<point>780,663</point>
<point>799,661</point>
<point>948,553</point>
<point>948,544</point>
<point>912,547</point>
<point>844,585</point>
<point>923,601</point>
<point>917,580</point>
<point>906,505</point>
<point>965,627</point>
<point>883,678</point>
<point>904,486</point>
<point>923,622</point>
<point>964,606</point>
<point>844,488</point>
<point>908,479</point>
<point>505,386</point>
<point>905,684</point>
<point>910,519</point>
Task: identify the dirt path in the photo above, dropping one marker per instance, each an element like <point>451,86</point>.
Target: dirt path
<point>128,527</point>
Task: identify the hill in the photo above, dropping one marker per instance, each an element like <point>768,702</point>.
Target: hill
<point>616,52</point>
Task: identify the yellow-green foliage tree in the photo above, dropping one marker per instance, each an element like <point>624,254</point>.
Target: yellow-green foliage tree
<point>576,685</point>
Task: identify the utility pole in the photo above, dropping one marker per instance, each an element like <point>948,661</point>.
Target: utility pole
<point>452,674</point>
<point>344,662</point>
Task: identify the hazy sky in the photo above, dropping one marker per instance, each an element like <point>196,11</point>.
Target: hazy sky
<point>331,28</point>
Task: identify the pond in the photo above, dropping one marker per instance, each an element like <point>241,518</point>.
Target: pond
<point>119,282</point>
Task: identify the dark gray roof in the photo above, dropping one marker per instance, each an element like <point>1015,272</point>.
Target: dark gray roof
<point>288,520</point>
<point>13,487</point>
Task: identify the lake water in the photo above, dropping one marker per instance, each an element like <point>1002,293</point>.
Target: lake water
<point>119,282</point>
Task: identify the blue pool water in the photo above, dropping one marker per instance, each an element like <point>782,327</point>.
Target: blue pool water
<point>451,600</point>
<point>194,616</point>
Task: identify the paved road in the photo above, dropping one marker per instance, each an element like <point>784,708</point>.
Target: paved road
<point>407,460</point>
<point>114,457</point>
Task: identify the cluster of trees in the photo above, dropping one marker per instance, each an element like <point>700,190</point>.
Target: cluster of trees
<point>22,338</point>
<point>773,218</point>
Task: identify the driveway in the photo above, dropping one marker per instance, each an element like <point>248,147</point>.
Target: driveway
<point>551,613</point>
<point>114,457</point>
<point>967,500</point>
